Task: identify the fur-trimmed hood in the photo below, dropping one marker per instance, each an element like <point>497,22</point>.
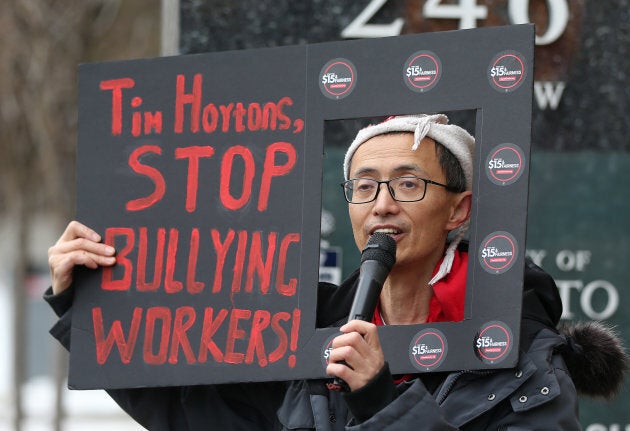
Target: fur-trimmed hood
<point>594,353</point>
<point>596,358</point>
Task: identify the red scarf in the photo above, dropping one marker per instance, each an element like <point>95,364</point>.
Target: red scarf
<point>449,294</point>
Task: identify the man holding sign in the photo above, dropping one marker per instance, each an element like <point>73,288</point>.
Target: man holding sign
<point>409,177</point>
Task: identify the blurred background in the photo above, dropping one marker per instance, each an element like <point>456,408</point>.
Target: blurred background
<point>579,206</point>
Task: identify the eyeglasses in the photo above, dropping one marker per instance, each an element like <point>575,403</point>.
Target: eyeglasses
<point>401,189</point>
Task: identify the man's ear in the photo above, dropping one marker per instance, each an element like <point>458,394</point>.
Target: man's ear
<point>460,211</point>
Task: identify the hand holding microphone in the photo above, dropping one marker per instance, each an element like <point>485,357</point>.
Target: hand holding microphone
<point>377,259</point>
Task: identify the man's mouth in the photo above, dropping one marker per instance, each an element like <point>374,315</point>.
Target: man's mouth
<point>388,231</point>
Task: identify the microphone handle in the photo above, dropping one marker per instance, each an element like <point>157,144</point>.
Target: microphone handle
<point>371,279</point>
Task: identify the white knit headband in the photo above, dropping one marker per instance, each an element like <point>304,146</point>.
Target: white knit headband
<point>457,140</point>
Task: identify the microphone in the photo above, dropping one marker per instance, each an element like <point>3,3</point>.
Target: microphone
<point>377,259</point>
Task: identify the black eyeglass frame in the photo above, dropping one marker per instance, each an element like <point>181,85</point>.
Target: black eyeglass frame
<point>344,186</point>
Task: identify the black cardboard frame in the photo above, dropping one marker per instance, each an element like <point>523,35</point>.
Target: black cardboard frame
<point>272,336</point>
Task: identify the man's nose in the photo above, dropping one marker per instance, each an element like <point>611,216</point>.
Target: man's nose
<point>384,202</point>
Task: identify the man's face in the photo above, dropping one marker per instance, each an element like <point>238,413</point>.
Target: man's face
<point>419,228</point>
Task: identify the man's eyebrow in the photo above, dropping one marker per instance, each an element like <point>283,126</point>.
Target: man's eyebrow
<point>414,168</point>
<point>410,168</point>
<point>365,171</point>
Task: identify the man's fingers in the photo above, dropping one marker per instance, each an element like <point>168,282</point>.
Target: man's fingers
<point>93,260</point>
<point>352,367</point>
<point>78,245</point>
<point>360,326</point>
<point>353,339</point>
<point>366,334</point>
<point>67,261</point>
<point>357,355</point>
<point>82,244</point>
<point>62,266</point>
<point>353,349</point>
<point>345,354</point>
<point>342,371</point>
<point>78,230</point>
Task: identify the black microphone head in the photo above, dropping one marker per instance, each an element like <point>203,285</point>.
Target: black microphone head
<point>382,248</point>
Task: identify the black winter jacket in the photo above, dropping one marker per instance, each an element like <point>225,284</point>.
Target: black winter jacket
<point>539,394</point>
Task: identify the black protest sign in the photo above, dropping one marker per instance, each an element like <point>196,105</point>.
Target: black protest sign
<point>204,172</point>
